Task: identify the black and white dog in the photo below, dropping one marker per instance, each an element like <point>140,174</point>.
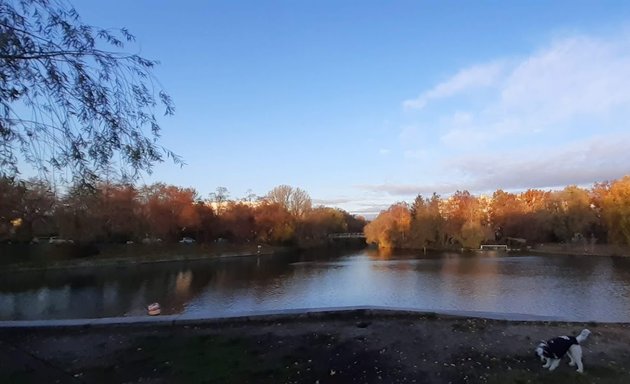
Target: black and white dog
<point>551,351</point>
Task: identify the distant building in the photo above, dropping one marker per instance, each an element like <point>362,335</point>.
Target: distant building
<point>219,206</point>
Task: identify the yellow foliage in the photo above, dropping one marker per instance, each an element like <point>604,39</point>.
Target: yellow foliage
<point>616,210</point>
<point>390,229</point>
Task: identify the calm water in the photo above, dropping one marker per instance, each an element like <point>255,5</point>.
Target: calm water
<point>573,287</point>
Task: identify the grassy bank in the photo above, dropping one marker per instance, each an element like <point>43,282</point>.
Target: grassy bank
<point>48,256</point>
<point>579,249</point>
<point>55,256</point>
<point>546,248</point>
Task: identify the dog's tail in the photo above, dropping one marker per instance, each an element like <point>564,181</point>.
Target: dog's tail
<point>583,335</point>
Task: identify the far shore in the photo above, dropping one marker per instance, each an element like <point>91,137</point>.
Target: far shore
<point>607,250</point>
<point>121,255</point>
<point>366,346</point>
<point>589,250</point>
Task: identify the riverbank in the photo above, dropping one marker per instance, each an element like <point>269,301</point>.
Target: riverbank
<point>334,347</point>
<point>580,249</point>
<point>120,255</point>
<point>52,257</point>
<point>543,249</point>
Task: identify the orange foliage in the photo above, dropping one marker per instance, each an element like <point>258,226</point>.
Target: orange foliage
<point>169,210</point>
<point>391,228</point>
<point>321,221</point>
<point>120,212</point>
<point>616,210</point>
<point>274,223</point>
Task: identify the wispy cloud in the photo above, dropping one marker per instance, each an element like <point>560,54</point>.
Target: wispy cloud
<point>555,88</point>
<point>554,117</point>
<point>334,201</point>
<point>415,154</point>
<point>573,77</point>
<point>478,76</point>
<point>599,158</point>
<point>370,209</point>
<point>595,159</point>
<point>409,190</point>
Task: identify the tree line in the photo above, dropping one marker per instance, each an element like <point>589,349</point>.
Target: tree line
<point>118,213</point>
<point>600,214</point>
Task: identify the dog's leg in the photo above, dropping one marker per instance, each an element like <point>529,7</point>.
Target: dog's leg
<point>548,362</point>
<point>554,364</point>
<point>576,352</point>
<point>571,360</point>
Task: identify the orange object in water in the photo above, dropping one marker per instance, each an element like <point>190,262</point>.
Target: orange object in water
<point>153,309</point>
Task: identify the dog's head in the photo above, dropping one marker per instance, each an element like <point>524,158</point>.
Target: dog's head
<point>540,350</point>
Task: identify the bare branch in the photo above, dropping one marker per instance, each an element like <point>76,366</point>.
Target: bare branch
<point>91,108</point>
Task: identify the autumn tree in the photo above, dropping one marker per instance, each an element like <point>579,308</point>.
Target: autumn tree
<point>274,223</point>
<point>390,229</point>
<point>9,201</point>
<point>209,227</point>
<point>464,219</point>
<point>78,214</point>
<point>120,212</point>
<point>26,209</point>
<point>105,212</point>
<point>71,98</point>
<point>616,211</point>
<point>319,222</point>
<point>537,221</point>
<point>238,222</point>
<point>296,200</point>
<point>249,197</point>
<point>572,214</point>
<point>426,222</point>
<point>598,194</point>
<point>219,199</point>
<point>38,204</point>
<point>354,223</point>
<point>170,211</point>
<point>507,215</point>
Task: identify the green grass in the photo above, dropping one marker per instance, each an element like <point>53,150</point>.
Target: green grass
<point>203,359</point>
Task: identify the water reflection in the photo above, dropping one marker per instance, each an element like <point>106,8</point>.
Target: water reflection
<point>574,287</point>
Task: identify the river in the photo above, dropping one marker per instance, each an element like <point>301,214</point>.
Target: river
<point>580,288</point>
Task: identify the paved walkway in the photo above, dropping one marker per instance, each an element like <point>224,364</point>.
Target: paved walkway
<point>189,318</point>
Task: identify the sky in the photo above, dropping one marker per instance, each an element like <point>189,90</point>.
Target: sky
<point>366,103</point>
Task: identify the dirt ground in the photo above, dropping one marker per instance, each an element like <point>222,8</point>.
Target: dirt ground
<point>343,347</point>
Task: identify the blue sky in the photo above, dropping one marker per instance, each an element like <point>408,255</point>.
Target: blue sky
<point>365,103</point>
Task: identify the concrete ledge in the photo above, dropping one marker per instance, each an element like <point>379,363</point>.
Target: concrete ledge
<point>300,313</point>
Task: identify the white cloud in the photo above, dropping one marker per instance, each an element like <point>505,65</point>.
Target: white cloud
<point>465,137</point>
<point>585,161</point>
<point>333,201</point>
<point>598,158</point>
<point>571,82</point>
<point>415,154</point>
<point>574,77</point>
<point>557,116</point>
<point>410,190</point>
<point>479,76</point>
<point>409,133</point>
